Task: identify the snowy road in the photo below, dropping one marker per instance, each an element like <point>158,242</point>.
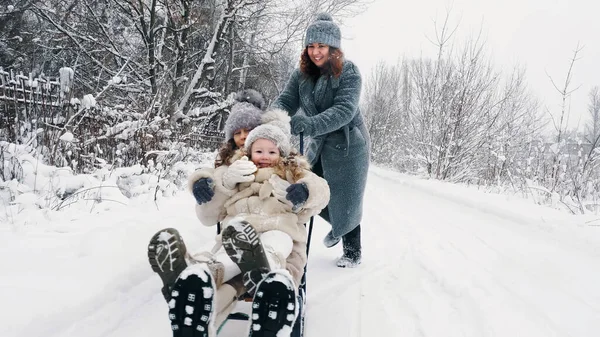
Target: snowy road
<point>444,269</point>
<point>436,263</point>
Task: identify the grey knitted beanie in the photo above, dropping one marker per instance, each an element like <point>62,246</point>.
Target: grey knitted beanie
<point>276,128</point>
<point>323,30</point>
<point>246,113</point>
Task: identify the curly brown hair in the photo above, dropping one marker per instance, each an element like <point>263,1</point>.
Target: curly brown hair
<point>226,151</point>
<point>334,65</point>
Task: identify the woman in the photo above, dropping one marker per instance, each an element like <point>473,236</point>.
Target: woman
<point>327,89</point>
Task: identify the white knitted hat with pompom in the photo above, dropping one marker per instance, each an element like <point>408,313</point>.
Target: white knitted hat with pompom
<point>276,128</point>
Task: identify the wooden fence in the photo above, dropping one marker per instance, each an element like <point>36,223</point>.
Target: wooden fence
<point>28,103</point>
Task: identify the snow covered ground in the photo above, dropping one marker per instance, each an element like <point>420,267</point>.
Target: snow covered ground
<point>439,260</point>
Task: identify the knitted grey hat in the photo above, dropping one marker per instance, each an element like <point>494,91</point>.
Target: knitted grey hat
<point>246,113</point>
<point>276,128</point>
<point>323,30</point>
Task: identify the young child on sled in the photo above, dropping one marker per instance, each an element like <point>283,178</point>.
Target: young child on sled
<point>262,197</point>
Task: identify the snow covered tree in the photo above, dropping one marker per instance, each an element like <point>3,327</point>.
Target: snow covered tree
<point>382,108</point>
<point>453,117</point>
<point>593,126</point>
<point>18,31</point>
<point>157,71</point>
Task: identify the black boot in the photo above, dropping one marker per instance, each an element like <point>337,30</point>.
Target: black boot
<point>192,307</point>
<point>166,254</point>
<point>352,249</point>
<point>242,244</point>
<point>330,240</point>
<point>274,307</point>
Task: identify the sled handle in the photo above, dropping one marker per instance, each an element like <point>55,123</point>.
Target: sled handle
<point>310,225</point>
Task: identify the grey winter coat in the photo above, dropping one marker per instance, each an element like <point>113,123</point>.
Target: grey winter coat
<point>339,145</point>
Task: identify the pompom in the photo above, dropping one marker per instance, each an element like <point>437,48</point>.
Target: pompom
<point>279,118</point>
<point>324,17</point>
<point>251,96</point>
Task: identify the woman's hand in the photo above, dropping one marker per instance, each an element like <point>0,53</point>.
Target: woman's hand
<point>302,124</point>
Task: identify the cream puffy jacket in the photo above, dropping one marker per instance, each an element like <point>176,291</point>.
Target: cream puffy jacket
<point>255,203</point>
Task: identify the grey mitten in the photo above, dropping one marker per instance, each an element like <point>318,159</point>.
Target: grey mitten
<point>297,194</point>
<point>203,190</point>
<point>302,124</point>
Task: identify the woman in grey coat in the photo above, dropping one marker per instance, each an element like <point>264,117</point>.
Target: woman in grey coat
<point>322,97</point>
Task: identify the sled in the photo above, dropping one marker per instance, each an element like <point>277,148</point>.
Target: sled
<point>240,313</point>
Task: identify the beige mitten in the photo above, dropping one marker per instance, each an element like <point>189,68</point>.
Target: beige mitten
<point>279,188</point>
<point>242,170</point>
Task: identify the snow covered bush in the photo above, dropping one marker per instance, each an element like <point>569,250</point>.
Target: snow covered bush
<point>27,184</point>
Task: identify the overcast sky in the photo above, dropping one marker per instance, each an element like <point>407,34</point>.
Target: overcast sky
<point>539,35</point>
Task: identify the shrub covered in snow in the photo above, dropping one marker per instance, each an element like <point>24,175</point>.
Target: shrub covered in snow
<point>28,184</point>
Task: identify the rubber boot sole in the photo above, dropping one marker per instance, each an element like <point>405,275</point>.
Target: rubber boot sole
<point>242,244</point>
<point>192,304</point>
<point>166,254</point>
<point>274,308</point>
